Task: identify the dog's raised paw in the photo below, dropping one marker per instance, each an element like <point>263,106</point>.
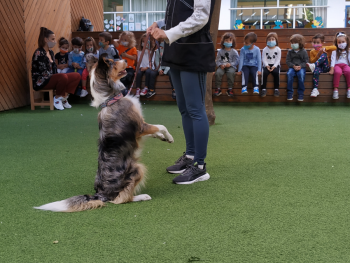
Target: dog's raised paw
<point>143,197</point>
<point>170,139</point>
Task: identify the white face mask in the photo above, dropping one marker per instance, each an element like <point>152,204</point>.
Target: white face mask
<point>125,43</point>
<point>76,50</point>
<point>342,45</point>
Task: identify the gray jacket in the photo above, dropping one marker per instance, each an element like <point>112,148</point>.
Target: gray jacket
<point>224,57</point>
<point>299,58</point>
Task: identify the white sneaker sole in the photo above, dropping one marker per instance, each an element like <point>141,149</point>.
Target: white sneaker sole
<point>176,172</point>
<point>204,177</point>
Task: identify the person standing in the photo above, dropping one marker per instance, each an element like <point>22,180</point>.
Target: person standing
<point>189,52</point>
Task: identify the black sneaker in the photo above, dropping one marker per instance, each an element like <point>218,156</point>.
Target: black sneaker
<point>180,165</point>
<point>217,92</point>
<point>173,94</point>
<point>263,93</point>
<point>192,175</point>
<point>276,93</point>
<point>229,92</point>
<point>150,93</point>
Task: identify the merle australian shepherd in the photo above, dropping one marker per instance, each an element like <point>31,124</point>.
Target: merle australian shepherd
<point>122,127</point>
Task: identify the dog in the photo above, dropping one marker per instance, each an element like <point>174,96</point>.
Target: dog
<point>121,127</point>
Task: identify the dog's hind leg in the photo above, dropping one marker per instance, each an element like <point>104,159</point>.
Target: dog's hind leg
<point>157,131</point>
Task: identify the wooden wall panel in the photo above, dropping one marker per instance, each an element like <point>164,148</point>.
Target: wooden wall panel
<point>90,9</point>
<point>13,81</point>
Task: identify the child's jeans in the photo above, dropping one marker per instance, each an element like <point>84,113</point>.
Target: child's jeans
<point>150,78</point>
<point>65,70</point>
<point>250,70</point>
<point>340,69</point>
<point>301,78</point>
<point>230,73</point>
<point>276,76</point>
<point>321,66</point>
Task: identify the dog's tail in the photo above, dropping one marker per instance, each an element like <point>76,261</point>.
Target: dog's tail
<point>75,204</point>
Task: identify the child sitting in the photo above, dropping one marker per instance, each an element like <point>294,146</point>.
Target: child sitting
<point>226,61</point>
<point>90,48</point>
<point>128,52</point>
<point>271,58</point>
<point>104,41</point>
<point>61,58</point>
<point>147,68</point>
<point>297,58</point>
<point>250,63</point>
<point>76,60</point>
<point>320,60</point>
<point>340,63</point>
<point>163,70</point>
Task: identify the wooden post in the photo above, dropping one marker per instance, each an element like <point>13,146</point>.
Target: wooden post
<point>214,26</point>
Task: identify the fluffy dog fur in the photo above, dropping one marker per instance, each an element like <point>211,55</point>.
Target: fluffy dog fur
<point>122,127</point>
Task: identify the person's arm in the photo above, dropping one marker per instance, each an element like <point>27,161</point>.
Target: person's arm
<point>278,58</point>
<point>218,59</point>
<point>289,60</point>
<point>166,70</point>
<point>241,59</point>
<point>199,18</point>
<point>333,58</point>
<point>82,63</point>
<point>313,56</point>
<point>264,58</point>
<point>235,59</point>
<point>70,59</point>
<point>258,54</point>
<point>331,48</point>
<point>305,59</point>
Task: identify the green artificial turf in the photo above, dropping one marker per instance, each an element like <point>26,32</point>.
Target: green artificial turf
<point>278,192</point>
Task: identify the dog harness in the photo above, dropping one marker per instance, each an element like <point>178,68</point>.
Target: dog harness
<point>111,100</point>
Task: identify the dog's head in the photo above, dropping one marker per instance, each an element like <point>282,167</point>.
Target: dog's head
<point>105,79</point>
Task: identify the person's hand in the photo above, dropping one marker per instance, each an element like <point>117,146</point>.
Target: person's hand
<point>152,27</point>
<point>144,69</point>
<point>268,68</point>
<point>331,71</point>
<point>272,68</point>
<point>123,54</point>
<point>324,50</point>
<point>222,66</point>
<point>228,65</point>
<point>116,43</point>
<point>239,73</point>
<point>161,72</point>
<point>295,68</point>
<point>259,73</point>
<point>320,52</point>
<point>159,34</point>
<point>65,66</point>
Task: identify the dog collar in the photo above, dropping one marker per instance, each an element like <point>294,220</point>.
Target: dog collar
<point>111,100</point>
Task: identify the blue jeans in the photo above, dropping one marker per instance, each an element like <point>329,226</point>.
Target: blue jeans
<point>80,71</point>
<point>301,78</point>
<point>190,88</point>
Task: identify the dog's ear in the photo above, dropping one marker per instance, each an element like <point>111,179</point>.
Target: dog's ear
<point>109,62</point>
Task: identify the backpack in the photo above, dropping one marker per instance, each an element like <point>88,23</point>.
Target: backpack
<point>84,24</point>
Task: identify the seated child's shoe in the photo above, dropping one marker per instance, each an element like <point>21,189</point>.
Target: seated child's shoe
<point>276,93</point>
<point>229,92</point>
<point>301,97</point>
<point>290,97</point>
<point>137,95</point>
<point>83,93</point>
<point>150,93</point>
<point>244,90</point>
<point>348,94</point>
<point>263,93</point>
<point>314,93</point>
<point>335,95</point>
<point>57,103</point>
<point>311,66</point>
<point>173,94</point>
<point>217,92</point>
<point>144,92</point>
<point>66,104</point>
<point>256,90</point>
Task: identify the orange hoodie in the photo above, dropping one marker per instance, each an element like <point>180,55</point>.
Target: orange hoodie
<point>314,54</point>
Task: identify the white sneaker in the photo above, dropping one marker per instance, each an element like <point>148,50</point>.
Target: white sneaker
<point>348,94</point>
<point>335,95</point>
<point>311,66</point>
<point>314,93</point>
<point>57,103</point>
<point>137,95</point>
<point>144,92</point>
<point>66,104</point>
<point>83,93</point>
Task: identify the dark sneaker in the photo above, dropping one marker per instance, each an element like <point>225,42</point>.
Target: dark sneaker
<point>180,165</point>
<point>229,92</point>
<point>263,93</point>
<point>290,97</point>
<point>150,93</point>
<point>217,92</point>
<point>301,97</point>
<point>192,175</point>
<point>173,94</point>
<point>276,93</point>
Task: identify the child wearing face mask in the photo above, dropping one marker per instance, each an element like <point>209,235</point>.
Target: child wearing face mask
<point>250,63</point>
<point>319,61</point>
<point>106,47</point>
<point>340,63</point>
<point>89,48</point>
<point>227,62</point>
<point>271,58</point>
<point>76,60</point>
<point>297,58</point>
<point>127,50</point>
<point>61,58</point>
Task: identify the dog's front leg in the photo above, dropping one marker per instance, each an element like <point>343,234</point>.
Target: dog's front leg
<point>157,131</point>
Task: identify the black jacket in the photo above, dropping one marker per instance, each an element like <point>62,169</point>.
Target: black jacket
<point>297,58</point>
<point>42,69</point>
<point>194,52</point>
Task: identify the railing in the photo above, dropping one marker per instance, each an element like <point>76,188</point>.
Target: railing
<point>262,9</point>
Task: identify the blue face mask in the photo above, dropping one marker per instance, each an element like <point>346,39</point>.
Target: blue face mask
<point>101,44</point>
<point>247,46</point>
<point>271,43</point>
<point>226,44</point>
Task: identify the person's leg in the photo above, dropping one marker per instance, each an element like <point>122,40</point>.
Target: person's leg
<point>148,73</point>
<point>315,77</point>
<point>65,70</point>
<point>187,123</point>
<point>322,60</point>
<point>194,88</point>
<point>337,74</point>
<point>265,74</point>
<point>73,80</point>
<point>139,78</point>
<point>301,79</point>
<point>84,77</point>
<point>173,93</point>
<point>230,73</point>
<point>346,72</point>
<point>276,77</point>
<point>253,71</point>
<point>290,79</point>
<point>152,79</point>
<point>58,82</point>
<point>245,77</point>
<point>218,77</point>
